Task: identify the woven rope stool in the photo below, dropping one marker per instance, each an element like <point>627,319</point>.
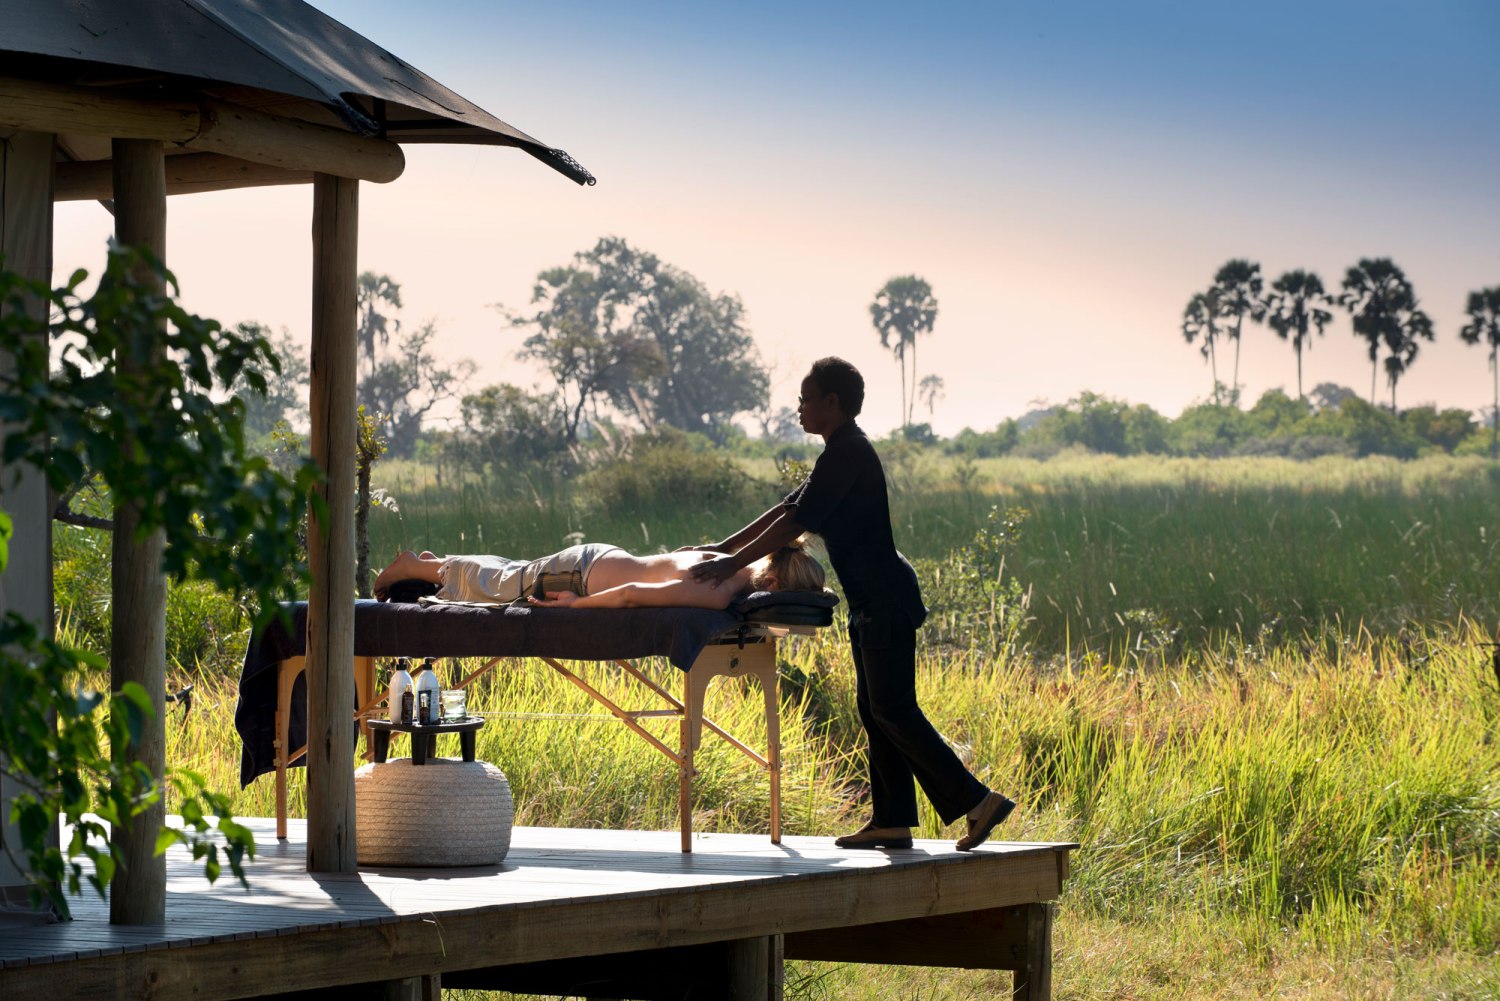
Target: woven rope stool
<point>445,813</point>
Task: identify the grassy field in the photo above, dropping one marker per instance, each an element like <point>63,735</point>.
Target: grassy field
<point>1283,771</point>
<point>1115,552</point>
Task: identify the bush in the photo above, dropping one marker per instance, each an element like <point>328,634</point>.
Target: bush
<point>669,469</point>
<point>973,603</point>
<point>986,444</point>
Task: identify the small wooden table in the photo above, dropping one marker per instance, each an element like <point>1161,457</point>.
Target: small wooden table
<point>423,737</point>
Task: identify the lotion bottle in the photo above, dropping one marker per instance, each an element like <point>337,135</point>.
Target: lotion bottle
<point>399,696</point>
<point>427,694</point>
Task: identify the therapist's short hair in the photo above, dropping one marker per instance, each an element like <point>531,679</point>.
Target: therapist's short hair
<point>834,375</point>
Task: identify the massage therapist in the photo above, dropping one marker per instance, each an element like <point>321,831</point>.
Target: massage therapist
<point>844,500</point>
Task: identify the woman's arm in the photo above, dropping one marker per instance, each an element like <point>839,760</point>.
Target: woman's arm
<point>740,538</point>
<point>667,594</point>
<point>778,531</point>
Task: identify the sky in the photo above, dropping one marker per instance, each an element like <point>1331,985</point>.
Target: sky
<point>1064,174</point>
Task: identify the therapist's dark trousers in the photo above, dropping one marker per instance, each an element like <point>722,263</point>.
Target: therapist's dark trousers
<point>904,748</point>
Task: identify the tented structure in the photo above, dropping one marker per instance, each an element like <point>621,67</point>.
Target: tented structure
<point>127,102</point>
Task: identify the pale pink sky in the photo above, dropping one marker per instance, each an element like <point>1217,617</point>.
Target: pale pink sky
<point>1065,183</point>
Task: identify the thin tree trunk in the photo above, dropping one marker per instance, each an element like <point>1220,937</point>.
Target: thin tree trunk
<point>1495,413</point>
<point>912,401</point>
<point>362,527</point>
<point>1374,372</point>
<point>1235,389</point>
<point>1300,395</point>
<point>1213,365</point>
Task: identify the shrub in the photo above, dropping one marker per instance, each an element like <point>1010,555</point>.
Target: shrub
<point>973,603</point>
<point>669,468</point>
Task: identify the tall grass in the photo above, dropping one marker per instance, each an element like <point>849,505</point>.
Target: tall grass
<point>1253,692</point>
<point>1344,803</point>
<point>1170,553</point>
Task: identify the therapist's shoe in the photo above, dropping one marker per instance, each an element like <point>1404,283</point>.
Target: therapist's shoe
<point>870,836</point>
<point>983,819</point>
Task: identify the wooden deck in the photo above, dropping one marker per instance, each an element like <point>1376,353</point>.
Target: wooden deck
<point>670,924</point>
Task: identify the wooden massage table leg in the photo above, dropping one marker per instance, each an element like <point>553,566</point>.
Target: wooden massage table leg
<point>286,676</point>
<point>757,660</point>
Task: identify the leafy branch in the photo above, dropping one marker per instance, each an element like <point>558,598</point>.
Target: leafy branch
<point>138,398</point>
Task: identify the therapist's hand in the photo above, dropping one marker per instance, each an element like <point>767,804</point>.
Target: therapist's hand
<point>714,572</point>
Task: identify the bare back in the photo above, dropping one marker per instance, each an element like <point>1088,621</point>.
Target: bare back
<point>617,567</point>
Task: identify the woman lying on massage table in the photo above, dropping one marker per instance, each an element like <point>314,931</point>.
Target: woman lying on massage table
<point>595,575</point>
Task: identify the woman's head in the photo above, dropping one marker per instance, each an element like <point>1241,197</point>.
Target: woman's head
<point>832,394</point>
<point>790,568</point>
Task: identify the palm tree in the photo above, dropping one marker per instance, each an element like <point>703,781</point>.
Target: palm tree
<point>1383,305</point>
<point>904,307</point>
<point>1484,324</point>
<point>371,292</point>
<point>1238,285</point>
<point>1199,318</point>
<point>931,389</point>
<point>1293,310</point>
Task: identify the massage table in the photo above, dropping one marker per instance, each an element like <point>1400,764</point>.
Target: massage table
<point>704,643</point>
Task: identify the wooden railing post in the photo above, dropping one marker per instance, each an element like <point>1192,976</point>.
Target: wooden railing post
<point>330,540</point>
<point>138,613</point>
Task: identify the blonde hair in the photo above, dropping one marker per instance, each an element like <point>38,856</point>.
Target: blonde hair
<point>790,568</point>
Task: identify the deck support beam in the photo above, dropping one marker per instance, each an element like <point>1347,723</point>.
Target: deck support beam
<point>330,537</point>
<point>138,612</point>
<point>1017,938</point>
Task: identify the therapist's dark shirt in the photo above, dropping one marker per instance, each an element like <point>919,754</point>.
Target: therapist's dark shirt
<point>844,500</point>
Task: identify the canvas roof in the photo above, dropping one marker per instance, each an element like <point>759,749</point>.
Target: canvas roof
<point>282,57</point>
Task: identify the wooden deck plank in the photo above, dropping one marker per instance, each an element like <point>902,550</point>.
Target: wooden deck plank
<point>631,890</point>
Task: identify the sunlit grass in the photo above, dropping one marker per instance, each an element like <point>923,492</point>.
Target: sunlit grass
<point>1329,817</point>
<point>1116,551</point>
<point>1298,797</point>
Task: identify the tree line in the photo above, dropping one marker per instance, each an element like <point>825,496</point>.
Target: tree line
<point>629,343</point>
<point>1381,302</point>
<point>625,339</point>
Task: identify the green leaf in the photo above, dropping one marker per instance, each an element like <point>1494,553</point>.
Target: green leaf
<point>166,838</point>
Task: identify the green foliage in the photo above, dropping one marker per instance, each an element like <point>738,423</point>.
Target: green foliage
<point>972,603</point>
<point>133,402</point>
<point>667,469</point>
<point>508,427</point>
<point>369,446</point>
<point>619,324</point>
<point>284,399</point>
<point>986,444</point>
<point>138,401</point>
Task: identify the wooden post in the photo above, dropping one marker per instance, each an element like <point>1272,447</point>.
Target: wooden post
<point>750,974</point>
<point>138,649</point>
<point>26,588</point>
<point>1033,982</point>
<point>330,540</point>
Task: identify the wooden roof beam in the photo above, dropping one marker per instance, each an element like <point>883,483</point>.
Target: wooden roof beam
<point>187,173</point>
<point>204,125</point>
